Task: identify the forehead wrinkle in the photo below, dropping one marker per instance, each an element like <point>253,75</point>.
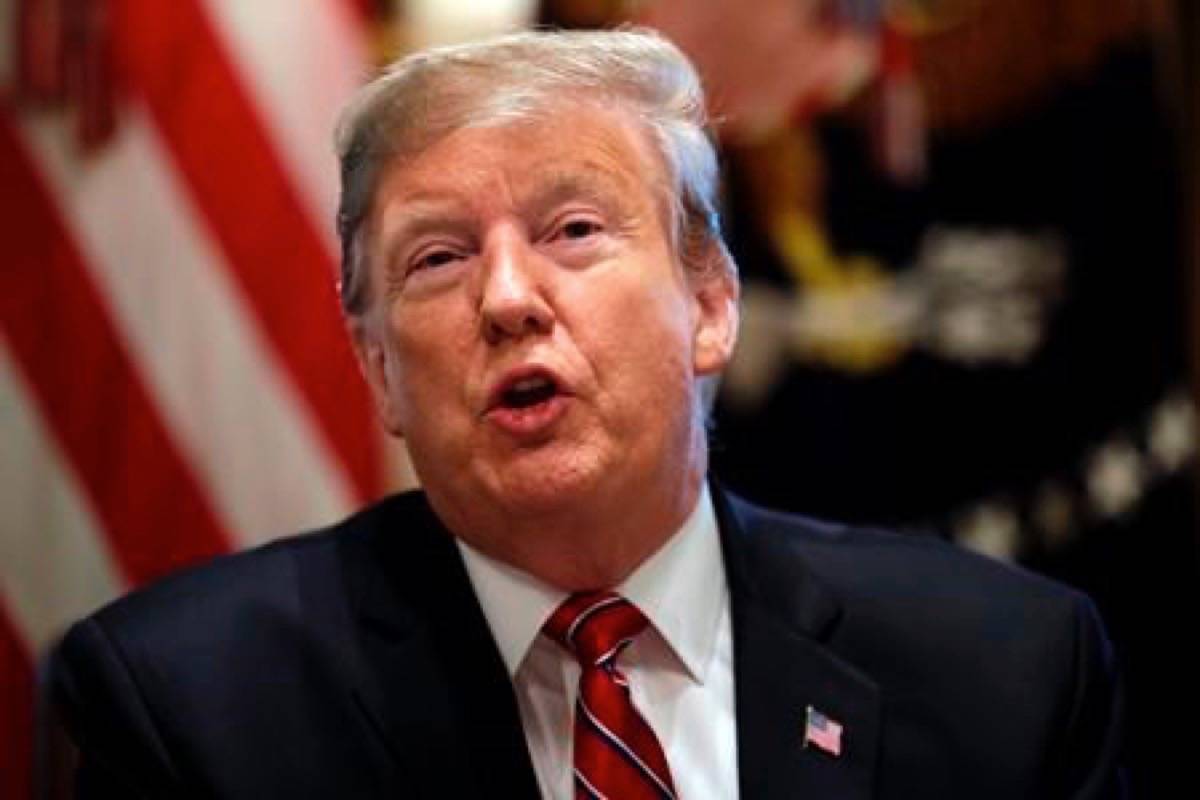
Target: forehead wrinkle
<point>420,213</point>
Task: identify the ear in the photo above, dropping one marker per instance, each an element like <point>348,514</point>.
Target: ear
<point>715,289</point>
<point>373,363</point>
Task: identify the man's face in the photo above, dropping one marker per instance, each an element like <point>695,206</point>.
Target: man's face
<point>532,333</point>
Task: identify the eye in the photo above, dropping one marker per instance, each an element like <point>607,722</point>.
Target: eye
<point>579,228</point>
<point>431,259</point>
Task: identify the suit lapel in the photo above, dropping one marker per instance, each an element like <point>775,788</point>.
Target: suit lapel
<point>782,616</point>
<point>437,700</point>
<point>433,687</point>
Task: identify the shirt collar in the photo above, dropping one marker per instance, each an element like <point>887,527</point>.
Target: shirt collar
<point>681,589</point>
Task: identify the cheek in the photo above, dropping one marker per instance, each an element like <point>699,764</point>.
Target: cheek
<point>428,358</point>
<point>649,345</point>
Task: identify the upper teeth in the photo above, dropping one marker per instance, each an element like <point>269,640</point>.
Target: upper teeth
<point>526,384</point>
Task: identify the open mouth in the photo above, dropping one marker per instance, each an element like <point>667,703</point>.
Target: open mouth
<point>528,402</point>
<point>528,392</point>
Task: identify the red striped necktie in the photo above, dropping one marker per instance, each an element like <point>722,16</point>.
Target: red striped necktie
<point>616,754</point>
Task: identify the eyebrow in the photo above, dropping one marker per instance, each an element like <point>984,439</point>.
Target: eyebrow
<point>425,212</point>
<point>429,217</point>
<point>590,183</point>
<point>422,213</point>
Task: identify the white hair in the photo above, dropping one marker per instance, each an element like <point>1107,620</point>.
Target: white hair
<point>422,97</point>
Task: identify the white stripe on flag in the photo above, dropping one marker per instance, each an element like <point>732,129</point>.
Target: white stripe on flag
<point>236,415</point>
<point>54,566</point>
<point>300,61</point>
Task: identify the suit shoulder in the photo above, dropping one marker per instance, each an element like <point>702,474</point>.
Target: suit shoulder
<point>917,611</point>
<point>226,595</point>
<point>226,584</point>
<point>862,561</point>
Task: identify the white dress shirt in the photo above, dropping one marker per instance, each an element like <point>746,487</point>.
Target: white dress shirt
<point>680,669</point>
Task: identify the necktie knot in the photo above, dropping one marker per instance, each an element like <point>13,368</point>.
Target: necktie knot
<point>595,626</point>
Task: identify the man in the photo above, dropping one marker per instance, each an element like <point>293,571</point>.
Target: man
<point>538,293</point>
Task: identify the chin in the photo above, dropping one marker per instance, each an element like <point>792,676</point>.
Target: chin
<point>538,483</point>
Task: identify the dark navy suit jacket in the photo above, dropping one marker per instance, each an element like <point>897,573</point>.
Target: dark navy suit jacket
<point>356,662</point>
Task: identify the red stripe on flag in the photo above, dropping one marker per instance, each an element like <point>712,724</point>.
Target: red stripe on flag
<point>365,12</point>
<point>16,713</point>
<point>87,388</point>
<point>173,56</point>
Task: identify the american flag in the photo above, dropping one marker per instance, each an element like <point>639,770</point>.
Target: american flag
<point>174,379</point>
<point>821,732</point>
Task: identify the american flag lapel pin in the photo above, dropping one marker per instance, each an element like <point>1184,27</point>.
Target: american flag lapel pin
<point>822,732</point>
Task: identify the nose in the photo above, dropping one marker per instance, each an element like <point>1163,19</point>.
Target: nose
<point>512,299</point>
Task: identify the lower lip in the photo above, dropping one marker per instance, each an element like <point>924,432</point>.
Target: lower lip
<point>531,420</point>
